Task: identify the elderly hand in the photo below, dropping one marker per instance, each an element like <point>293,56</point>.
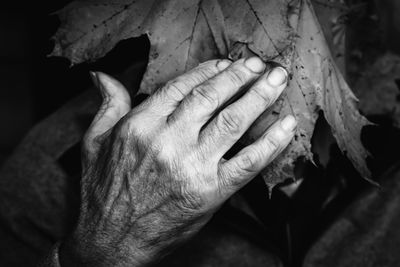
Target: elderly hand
<point>155,174</point>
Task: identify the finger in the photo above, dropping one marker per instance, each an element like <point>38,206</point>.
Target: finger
<point>205,99</point>
<point>233,121</point>
<point>116,104</point>
<point>177,89</point>
<point>240,169</point>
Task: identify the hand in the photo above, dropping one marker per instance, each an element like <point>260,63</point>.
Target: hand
<point>155,174</point>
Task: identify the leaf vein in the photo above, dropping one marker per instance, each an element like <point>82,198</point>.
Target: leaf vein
<point>192,33</point>
<point>262,25</point>
<point>104,22</point>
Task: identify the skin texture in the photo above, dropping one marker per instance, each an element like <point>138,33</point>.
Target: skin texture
<point>155,174</point>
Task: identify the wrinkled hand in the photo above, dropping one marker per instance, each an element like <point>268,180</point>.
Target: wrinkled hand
<point>155,174</point>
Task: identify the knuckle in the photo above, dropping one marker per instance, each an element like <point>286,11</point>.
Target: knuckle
<point>163,154</point>
<point>191,199</point>
<point>129,127</point>
<point>175,89</point>
<point>259,93</point>
<point>236,76</point>
<point>249,162</point>
<point>230,122</point>
<point>203,73</point>
<point>207,95</point>
<point>272,142</point>
<point>190,205</point>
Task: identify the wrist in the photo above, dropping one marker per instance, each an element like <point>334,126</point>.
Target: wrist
<point>80,252</point>
<point>72,253</point>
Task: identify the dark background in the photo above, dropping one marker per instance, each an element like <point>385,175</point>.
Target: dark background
<point>34,85</point>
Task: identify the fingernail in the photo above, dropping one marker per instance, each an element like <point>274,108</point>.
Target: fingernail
<point>95,80</point>
<point>277,77</point>
<point>289,123</point>
<point>255,64</point>
<point>223,64</point>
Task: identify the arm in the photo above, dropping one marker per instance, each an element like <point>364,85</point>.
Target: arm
<point>155,174</point>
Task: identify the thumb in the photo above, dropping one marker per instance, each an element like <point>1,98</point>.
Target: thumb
<point>116,104</point>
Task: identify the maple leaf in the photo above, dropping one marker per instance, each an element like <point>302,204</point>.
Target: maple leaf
<point>184,33</point>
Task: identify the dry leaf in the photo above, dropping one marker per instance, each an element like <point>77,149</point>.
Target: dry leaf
<point>184,33</point>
